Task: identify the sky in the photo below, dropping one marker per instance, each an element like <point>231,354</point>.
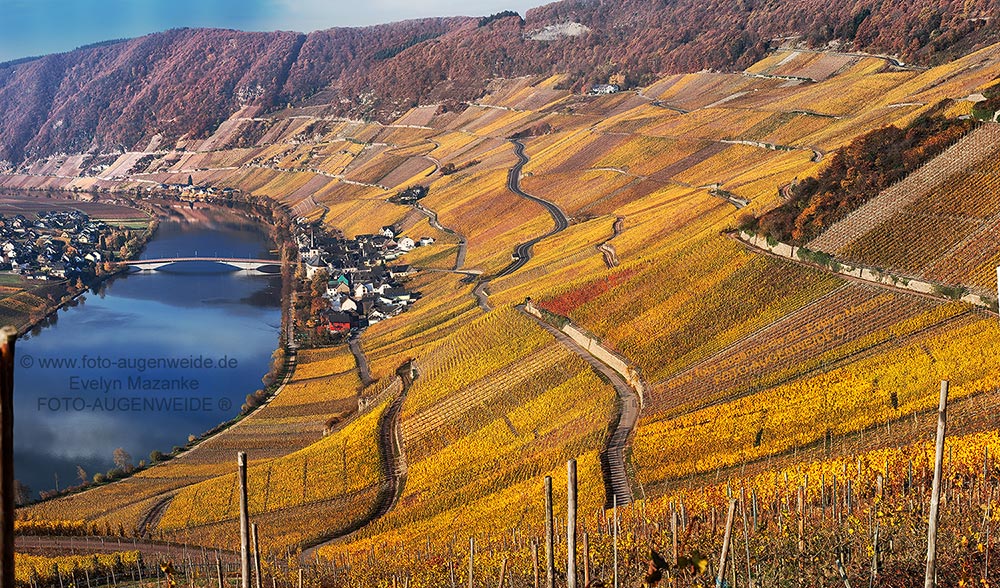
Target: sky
<point>38,27</point>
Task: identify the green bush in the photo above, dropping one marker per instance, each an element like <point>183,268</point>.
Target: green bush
<point>953,292</point>
<point>817,257</point>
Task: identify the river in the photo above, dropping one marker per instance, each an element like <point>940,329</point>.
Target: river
<point>149,359</point>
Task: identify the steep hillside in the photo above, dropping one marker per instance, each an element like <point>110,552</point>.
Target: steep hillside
<point>755,372</point>
<point>156,89</point>
<point>183,83</point>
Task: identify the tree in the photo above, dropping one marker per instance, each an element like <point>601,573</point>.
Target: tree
<point>319,283</point>
<point>155,456</point>
<point>190,180</point>
<point>123,460</point>
<point>22,493</point>
<point>81,474</point>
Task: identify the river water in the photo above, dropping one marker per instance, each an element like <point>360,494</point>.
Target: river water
<point>149,359</point>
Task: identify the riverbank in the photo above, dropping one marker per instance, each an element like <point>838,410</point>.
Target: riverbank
<point>44,321</point>
<point>164,207</point>
<point>30,304</point>
<point>206,228</point>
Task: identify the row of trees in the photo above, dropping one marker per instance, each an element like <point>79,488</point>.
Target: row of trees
<point>123,465</point>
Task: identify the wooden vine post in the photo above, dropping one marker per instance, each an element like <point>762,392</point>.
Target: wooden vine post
<point>8,335</point>
<point>534,562</point>
<point>241,461</point>
<point>673,535</point>
<point>746,535</point>
<point>503,573</point>
<point>930,575</point>
<point>472,560</point>
<point>726,540</point>
<point>571,524</point>
<point>256,556</point>
<point>614,544</point>
<point>550,561</point>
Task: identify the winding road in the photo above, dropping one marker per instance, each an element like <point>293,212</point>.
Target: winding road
<point>522,252</point>
<point>616,485</point>
<point>391,444</point>
<point>482,297</point>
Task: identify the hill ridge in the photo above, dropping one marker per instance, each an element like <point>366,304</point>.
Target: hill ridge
<point>183,83</point>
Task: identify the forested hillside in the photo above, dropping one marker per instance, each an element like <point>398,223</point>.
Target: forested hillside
<point>149,92</point>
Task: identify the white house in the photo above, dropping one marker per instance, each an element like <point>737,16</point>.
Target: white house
<point>605,89</point>
<point>313,265</point>
<point>426,241</point>
<point>406,244</point>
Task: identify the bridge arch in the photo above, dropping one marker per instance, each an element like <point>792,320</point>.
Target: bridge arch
<point>263,266</point>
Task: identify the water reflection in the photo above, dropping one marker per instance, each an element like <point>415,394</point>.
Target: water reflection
<point>63,421</point>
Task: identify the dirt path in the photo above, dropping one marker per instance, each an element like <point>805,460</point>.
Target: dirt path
<point>608,251</point>
<point>152,517</point>
<point>354,344</point>
<point>816,157</point>
<point>394,467</point>
<point>909,288</point>
<point>616,484</point>
<point>432,218</point>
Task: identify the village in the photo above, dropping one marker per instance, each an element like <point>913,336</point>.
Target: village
<point>353,283</point>
<point>56,245</point>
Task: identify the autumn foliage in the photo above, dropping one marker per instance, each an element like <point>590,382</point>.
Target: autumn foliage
<point>182,84</point>
<point>573,299</point>
<point>868,165</point>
